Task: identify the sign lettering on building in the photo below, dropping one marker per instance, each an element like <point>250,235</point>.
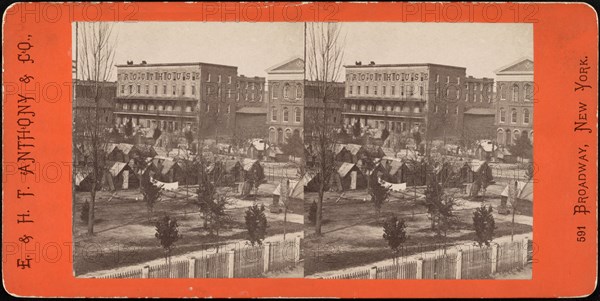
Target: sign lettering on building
<point>393,76</point>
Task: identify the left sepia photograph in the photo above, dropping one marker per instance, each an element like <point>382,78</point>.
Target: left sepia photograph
<point>183,167</point>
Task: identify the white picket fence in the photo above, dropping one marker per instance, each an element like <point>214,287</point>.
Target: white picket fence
<point>247,262</point>
<point>470,263</point>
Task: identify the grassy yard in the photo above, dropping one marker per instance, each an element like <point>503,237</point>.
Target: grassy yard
<point>124,234</point>
<point>352,230</point>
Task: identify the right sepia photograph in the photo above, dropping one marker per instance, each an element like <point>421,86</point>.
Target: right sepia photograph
<point>418,151</point>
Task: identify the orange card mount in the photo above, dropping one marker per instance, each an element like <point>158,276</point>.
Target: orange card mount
<point>175,150</point>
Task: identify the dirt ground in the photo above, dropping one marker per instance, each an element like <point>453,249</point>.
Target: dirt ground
<point>124,231</point>
<point>353,235</point>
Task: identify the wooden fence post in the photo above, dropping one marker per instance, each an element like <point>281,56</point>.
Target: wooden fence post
<point>459,264</point>
<point>494,259</point>
<point>266,256</point>
<point>145,271</point>
<point>297,250</point>
<point>524,250</point>
<point>192,267</point>
<point>231,262</point>
<point>419,268</point>
<point>373,273</point>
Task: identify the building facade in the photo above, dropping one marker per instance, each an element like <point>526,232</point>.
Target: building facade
<point>514,101</point>
<point>479,105</point>
<point>251,115</point>
<point>85,106</point>
<point>285,104</point>
<point>178,97</point>
<point>405,97</point>
<point>318,111</point>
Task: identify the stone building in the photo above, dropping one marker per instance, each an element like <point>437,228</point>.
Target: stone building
<point>514,101</point>
<point>285,103</point>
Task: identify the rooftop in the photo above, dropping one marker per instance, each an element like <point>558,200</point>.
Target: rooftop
<point>174,65</point>
<point>403,65</point>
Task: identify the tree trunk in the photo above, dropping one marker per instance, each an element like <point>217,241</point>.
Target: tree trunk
<point>90,226</point>
<point>284,220</point>
<point>319,210</point>
<point>512,225</point>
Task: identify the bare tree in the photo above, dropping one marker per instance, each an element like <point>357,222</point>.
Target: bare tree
<point>324,54</point>
<point>95,59</point>
<point>526,177</point>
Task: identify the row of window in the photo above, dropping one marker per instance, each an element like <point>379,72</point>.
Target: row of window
<point>514,116</point>
<point>507,136</point>
<point>287,93</point>
<point>286,114</point>
<point>252,86</point>
<point>515,92</point>
<point>381,108</point>
<point>173,90</point>
<point>184,90</point>
<point>152,107</point>
<point>278,136</point>
<point>169,108</point>
<point>446,110</point>
<point>408,89</point>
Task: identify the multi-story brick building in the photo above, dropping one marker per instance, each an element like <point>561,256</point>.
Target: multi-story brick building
<point>181,96</point>
<point>317,111</point>
<point>85,106</point>
<point>405,97</point>
<point>251,115</point>
<point>285,100</point>
<point>514,101</point>
<point>479,106</point>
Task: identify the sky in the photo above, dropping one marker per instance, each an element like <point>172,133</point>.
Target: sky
<point>480,47</point>
<point>254,47</point>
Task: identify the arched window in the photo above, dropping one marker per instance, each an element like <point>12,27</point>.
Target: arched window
<point>502,115</point>
<point>285,114</point>
<point>299,91</point>
<point>515,93</point>
<point>286,91</point>
<point>272,136</point>
<point>274,113</point>
<point>288,134</point>
<point>297,115</point>
<point>525,116</point>
<point>531,136</point>
<point>528,92</point>
<point>279,136</point>
<point>500,137</point>
<point>516,135</point>
<point>502,91</point>
<point>513,116</point>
